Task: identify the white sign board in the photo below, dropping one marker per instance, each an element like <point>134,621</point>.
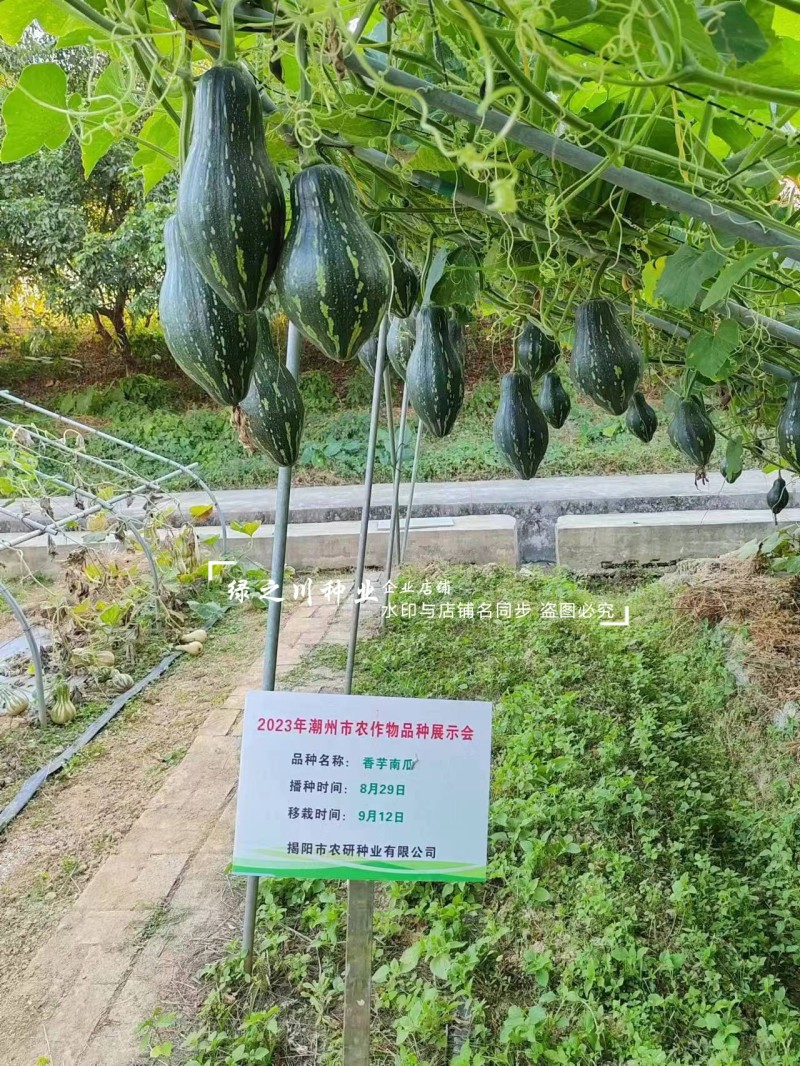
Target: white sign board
<point>367,788</point>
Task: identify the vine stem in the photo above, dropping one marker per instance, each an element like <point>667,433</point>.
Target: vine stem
<point>227,22</point>
<point>187,93</point>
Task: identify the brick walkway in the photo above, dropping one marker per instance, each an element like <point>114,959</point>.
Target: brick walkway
<point>157,909</point>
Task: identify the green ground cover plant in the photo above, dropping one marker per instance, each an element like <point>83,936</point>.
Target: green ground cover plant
<point>642,905</point>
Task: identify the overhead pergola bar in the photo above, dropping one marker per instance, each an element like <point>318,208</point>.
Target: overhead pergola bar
<point>721,219</point>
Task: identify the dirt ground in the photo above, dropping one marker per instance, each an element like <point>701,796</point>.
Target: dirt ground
<point>52,849</point>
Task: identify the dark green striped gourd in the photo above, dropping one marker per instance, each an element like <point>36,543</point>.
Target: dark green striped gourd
<point>536,353</point>
<point>778,496</point>
<point>520,429</point>
<point>554,400</point>
<point>640,418</point>
<point>435,374</point>
<point>691,431</point>
<point>368,355</point>
<point>334,277</point>
<point>606,361</point>
<point>789,427</point>
<point>231,207</point>
<point>400,342</point>
<point>458,338</point>
<point>406,280</point>
<point>212,344</point>
<point>270,418</point>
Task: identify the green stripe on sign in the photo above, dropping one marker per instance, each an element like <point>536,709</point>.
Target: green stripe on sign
<point>364,872</point>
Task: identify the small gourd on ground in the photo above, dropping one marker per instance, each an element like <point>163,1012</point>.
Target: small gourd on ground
<point>271,416</point>
<point>554,400</point>
<point>536,353</point>
<point>61,710</point>
<point>606,361</point>
<point>691,432</point>
<point>119,682</point>
<point>212,344</point>
<point>435,374</point>
<point>400,340</point>
<point>231,206</point>
<point>520,429</point>
<point>334,279</point>
<point>640,418</point>
<point>788,429</point>
<point>14,701</point>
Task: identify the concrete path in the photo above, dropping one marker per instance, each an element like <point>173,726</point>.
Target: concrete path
<point>536,504</point>
<point>160,907</point>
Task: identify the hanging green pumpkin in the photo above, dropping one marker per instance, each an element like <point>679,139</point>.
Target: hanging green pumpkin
<point>520,429</point>
<point>535,352</point>
<point>231,207</point>
<point>778,496</point>
<point>334,278</point>
<point>691,431</point>
<point>554,400</point>
<point>270,418</point>
<point>212,344</point>
<point>400,342</point>
<point>458,338</point>
<point>788,429</point>
<point>606,362</point>
<point>640,418</point>
<point>405,292</point>
<point>368,356</point>
<point>435,374</point>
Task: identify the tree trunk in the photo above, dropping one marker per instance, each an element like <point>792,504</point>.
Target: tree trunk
<point>101,329</point>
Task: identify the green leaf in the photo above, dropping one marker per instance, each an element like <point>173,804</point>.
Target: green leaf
<point>247,528</point>
<point>17,15</point>
<point>6,487</point>
<point>105,116</point>
<point>730,276</point>
<point>111,614</point>
<point>35,112</point>
<point>460,282</point>
<point>734,456</point>
<point>410,957</point>
<point>440,966</point>
<point>684,273</point>
<point>735,134</point>
<point>161,132</point>
<point>202,511</point>
<point>734,33</point>
<point>709,354</point>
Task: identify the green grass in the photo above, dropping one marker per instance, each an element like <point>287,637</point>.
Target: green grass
<point>643,903</point>
<point>146,411</point>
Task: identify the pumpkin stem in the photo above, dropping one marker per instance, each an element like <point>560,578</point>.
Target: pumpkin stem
<point>227,48</point>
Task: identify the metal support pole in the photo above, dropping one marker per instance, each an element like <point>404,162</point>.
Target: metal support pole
<point>361,894</point>
<point>411,487</point>
<point>394,524</point>
<point>387,393</point>
<point>294,346</point>
<point>21,617</point>
<point>368,476</point>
